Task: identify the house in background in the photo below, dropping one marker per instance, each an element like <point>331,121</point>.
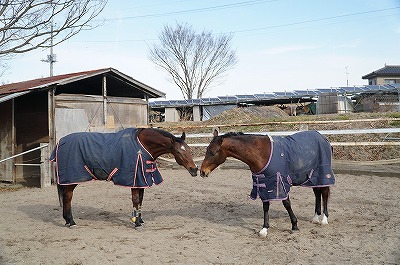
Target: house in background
<point>383,100</point>
<point>390,74</point>
<point>35,114</point>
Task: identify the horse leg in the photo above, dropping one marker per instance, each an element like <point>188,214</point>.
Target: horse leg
<point>264,231</point>
<point>325,197</point>
<point>293,219</point>
<point>317,214</point>
<point>141,194</point>
<point>321,217</point>
<point>66,192</point>
<point>137,199</point>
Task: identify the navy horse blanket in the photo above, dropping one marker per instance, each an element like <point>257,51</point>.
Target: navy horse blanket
<point>119,157</point>
<point>301,159</point>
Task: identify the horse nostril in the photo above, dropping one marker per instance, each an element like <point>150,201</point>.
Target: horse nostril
<point>193,171</point>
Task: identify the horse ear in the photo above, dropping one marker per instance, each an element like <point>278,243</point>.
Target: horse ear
<point>183,137</point>
<point>215,132</point>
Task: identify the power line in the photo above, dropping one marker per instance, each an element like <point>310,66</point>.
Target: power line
<point>196,10</point>
<point>317,20</point>
<point>268,27</point>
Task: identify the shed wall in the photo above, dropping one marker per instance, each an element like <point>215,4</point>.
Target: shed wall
<point>327,103</point>
<point>75,113</point>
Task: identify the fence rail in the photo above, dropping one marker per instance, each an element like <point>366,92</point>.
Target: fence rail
<point>324,132</point>
<point>23,153</point>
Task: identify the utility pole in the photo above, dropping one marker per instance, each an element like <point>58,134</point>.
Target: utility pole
<point>51,58</point>
<point>347,77</point>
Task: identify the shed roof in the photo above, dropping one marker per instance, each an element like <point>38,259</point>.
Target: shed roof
<point>388,70</point>
<point>86,82</point>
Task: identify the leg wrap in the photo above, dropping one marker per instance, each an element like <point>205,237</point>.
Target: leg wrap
<point>137,216</point>
<point>134,215</point>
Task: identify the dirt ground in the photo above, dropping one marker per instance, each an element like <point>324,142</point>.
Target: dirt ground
<point>202,221</point>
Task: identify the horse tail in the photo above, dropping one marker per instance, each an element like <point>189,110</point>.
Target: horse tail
<point>60,194</point>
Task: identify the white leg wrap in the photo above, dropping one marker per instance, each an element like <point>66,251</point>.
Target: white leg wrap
<point>263,232</point>
<point>324,220</point>
<point>316,219</point>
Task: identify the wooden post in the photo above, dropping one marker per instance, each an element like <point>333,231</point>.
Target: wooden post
<point>104,88</point>
<point>13,142</point>
<point>45,177</point>
<point>51,105</point>
<point>146,97</point>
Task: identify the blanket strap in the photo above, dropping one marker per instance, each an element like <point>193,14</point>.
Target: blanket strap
<point>90,172</point>
<point>112,174</point>
<point>153,164</point>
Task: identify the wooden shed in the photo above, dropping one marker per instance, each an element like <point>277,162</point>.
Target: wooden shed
<point>35,114</point>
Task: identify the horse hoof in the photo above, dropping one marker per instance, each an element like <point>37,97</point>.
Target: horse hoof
<point>73,226</point>
<point>316,219</point>
<point>324,220</point>
<point>263,232</point>
<point>139,227</point>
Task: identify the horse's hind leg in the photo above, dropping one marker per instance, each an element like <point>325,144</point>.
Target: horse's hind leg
<point>137,200</point>
<point>319,217</point>
<point>66,193</point>
<point>293,218</point>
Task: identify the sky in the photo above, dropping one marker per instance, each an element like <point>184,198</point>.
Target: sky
<point>281,45</point>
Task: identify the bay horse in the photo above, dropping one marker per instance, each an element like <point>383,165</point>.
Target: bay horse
<point>128,158</point>
<point>277,163</point>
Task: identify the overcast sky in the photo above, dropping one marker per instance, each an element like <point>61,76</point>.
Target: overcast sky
<point>281,45</point>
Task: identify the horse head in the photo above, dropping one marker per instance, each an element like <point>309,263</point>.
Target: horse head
<point>214,157</point>
<point>183,154</point>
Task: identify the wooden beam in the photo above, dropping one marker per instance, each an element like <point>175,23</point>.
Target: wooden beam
<point>13,141</point>
<point>51,106</point>
<point>104,88</point>
<point>45,176</point>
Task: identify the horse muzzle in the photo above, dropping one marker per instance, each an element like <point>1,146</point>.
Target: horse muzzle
<point>193,171</point>
<point>204,174</point>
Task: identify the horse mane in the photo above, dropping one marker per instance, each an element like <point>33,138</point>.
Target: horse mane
<point>167,134</point>
<point>230,134</point>
<point>227,135</point>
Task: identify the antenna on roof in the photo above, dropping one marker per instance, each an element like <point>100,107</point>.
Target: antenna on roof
<point>51,58</point>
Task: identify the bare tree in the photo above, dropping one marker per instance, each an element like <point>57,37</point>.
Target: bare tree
<point>26,25</point>
<point>193,60</point>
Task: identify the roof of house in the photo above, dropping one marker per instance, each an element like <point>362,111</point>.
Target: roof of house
<point>388,70</point>
<point>87,82</point>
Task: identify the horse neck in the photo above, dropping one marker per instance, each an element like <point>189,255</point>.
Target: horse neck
<point>155,143</point>
<point>252,150</point>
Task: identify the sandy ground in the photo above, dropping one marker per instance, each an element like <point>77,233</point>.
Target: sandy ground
<point>202,221</point>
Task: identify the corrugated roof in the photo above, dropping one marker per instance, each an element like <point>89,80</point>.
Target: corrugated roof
<point>41,82</point>
<point>27,86</point>
<point>388,70</point>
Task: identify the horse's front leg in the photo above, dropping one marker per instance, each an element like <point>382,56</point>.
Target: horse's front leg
<point>293,219</point>
<point>66,193</point>
<point>264,231</point>
<point>137,200</point>
<point>325,197</point>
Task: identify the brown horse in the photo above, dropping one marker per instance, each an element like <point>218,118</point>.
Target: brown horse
<point>276,165</point>
<point>153,142</point>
